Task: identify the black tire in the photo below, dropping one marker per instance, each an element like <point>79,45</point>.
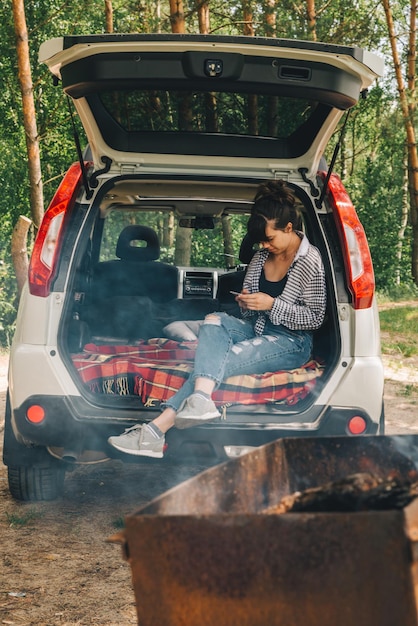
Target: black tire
<point>32,473</point>
<point>382,421</point>
<point>35,483</point>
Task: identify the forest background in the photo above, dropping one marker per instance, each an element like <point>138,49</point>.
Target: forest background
<point>377,160</point>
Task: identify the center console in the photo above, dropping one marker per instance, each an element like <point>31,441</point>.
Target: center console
<point>197,283</point>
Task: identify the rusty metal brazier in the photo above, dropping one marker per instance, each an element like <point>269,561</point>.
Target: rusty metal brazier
<point>206,553</point>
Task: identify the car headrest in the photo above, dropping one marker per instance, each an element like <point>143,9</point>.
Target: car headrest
<point>246,251</point>
<point>128,252</point>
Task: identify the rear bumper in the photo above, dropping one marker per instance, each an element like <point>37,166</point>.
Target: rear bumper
<point>73,422</point>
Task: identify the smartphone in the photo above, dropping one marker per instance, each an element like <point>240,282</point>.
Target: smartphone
<point>236,293</point>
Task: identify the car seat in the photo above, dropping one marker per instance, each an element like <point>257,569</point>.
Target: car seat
<point>137,272</point>
<point>128,294</point>
<point>232,281</point>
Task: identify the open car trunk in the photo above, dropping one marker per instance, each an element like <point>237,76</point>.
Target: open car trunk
<point>132,321</point>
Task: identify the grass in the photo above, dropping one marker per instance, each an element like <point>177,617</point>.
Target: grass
<point>409,390</point>
<point>119,523</point>
<point>16,520</point>
<point>401,323</point>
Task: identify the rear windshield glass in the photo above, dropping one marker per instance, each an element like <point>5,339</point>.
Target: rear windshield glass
<point>207,112</point>
<point>194,241</point>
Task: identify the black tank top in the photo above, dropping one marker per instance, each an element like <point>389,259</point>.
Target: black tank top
<point>272,288</point>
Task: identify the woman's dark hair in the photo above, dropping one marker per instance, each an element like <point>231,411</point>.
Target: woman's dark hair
<point>274,200</point>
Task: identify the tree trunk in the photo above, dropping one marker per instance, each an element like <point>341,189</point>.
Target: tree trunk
<point>109,16</point>
<point>19,251</point>
<point>270,18</point>
<point>29,118</point>
<point>402,227</point>
<point>177,16</point>
<point>407,102</point>
<point>168,230</point>
<point>252,108</point>
<point>272,116</point>
<point>230,259</point>
<point>211,119</point>
<point>248,18</point>
<point>183,235</point>
<point>183,246</point>
<point>311,19</point>
<point>203,14</point>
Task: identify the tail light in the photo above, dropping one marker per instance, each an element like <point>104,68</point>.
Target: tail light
<point>356,252</point>
<point>35,414</point>
<point>47,245</point>
<point>357,425</point>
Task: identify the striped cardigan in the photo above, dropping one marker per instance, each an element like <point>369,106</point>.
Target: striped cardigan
<point>301,306</point>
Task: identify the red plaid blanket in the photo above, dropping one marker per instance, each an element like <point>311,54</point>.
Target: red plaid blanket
<point>157,368</point>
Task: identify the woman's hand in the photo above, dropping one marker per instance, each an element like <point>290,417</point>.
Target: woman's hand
<point>239,300</point>
<point>258,301</point>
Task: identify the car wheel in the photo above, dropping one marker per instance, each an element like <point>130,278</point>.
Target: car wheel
<point>32,473</point>
<point>36,483</point>
<point>382,421</point>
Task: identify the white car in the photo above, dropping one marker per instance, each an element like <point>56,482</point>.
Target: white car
<point>147,235</point>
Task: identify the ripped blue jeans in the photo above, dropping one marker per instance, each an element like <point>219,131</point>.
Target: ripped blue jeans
<point>227,347</point>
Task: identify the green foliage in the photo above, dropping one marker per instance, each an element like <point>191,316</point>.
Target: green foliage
<point>397,293</point>
<point>371,161</point>
<point>26,518</point>
<point>409,390</point>
<point>402,324</point>
<point>208,244</point>
<point>8,303</point>
<point>400,319</point>
<point>119,523</point>
<point>372,165</point>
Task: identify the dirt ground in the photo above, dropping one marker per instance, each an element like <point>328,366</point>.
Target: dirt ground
<point>56,566</point>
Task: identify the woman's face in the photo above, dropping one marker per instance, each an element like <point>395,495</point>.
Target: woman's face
<point>277,240</point>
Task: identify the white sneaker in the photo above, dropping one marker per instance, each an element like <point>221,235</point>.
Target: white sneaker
<point>139,440</point>
<point>196,410</point>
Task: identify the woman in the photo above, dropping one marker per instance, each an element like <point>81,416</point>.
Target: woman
<point>282,301</point>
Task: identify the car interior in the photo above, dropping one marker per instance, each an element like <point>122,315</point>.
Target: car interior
<point>133,294</point>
